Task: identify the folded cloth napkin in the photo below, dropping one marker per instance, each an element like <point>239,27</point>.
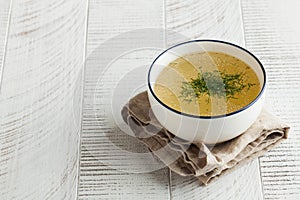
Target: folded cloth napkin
<point>206,162</point>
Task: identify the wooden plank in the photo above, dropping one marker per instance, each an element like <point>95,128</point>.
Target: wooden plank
<point>222,20</point>
<point>4,23</point>
<point>115,165</point>
<point>236,185</point>
<point>40,100</point>
<point>214,19</point>
<point>272,33</point>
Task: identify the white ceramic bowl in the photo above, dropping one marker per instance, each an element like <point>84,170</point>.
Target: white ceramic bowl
<point>207,129</point>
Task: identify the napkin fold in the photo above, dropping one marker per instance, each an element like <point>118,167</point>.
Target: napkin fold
<point>206,162</point>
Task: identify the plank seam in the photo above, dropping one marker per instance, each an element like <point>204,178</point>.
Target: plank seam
<point>5,42</point>
<point>82,95</point>
<point>245,43</point>
<point>243,25</point>
<point>165,23</point>
<point>170,184</point>
<point>165,45</point>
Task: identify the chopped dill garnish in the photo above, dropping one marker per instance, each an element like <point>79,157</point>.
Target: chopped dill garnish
<point>214,83</point>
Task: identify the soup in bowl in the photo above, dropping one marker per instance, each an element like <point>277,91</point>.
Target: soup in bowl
<point>206,90</point>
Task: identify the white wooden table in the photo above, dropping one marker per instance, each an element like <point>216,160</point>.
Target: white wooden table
<point>66,67</point>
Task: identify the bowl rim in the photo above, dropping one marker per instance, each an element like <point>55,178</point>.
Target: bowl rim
<point>214,116</point>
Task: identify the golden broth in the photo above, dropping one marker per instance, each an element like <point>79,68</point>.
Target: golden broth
<point>230,84</point>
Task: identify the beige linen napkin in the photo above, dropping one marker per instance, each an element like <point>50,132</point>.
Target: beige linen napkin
<point>198,159</point>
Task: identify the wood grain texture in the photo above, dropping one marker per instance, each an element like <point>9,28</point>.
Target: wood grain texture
<point>40,100</point>
<point>113,165</point>
<point>106,172</point>
<point>214,19</point>
<point>5,10</point>
<point>272,33</point>
<point>237,185</point>
<point>222,20</point>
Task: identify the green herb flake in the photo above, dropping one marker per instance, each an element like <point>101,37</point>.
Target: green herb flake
<point>214,83</point>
